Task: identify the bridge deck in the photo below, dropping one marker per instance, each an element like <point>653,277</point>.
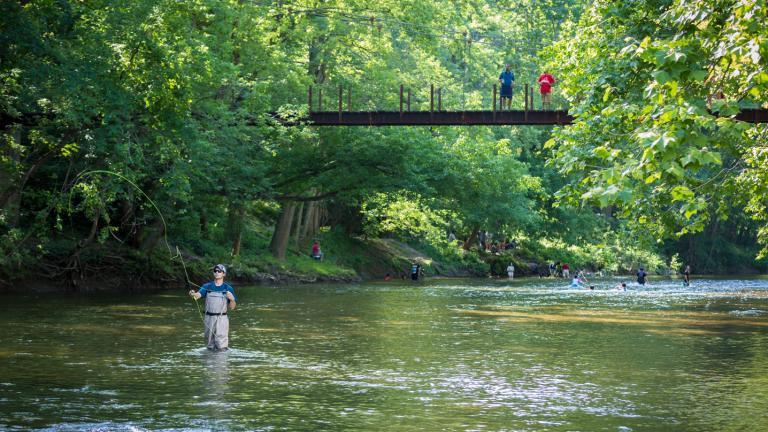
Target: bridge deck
<point>468,118</point>
<point>441,118</point>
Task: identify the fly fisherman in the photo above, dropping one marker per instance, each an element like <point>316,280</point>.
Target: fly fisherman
<point>217,296</point>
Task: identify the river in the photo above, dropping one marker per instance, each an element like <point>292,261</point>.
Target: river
<point>452,354</point>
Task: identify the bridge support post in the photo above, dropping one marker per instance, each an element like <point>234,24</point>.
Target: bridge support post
<point>494,102</point>
<point>401,101</point>
<point>526,102</point>
<point>532,92</point>
<point>431,101</point>
<point>320,99</point>
<point>439,99</point>
<point>409,100</point>
<point>309,99</point>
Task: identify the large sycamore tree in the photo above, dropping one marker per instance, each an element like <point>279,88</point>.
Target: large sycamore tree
<point>654,87</point>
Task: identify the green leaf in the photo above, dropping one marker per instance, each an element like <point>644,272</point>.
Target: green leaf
<point>602,152</point>
<point>676,170</point>
<point>689,211</point>
<point>706,157</point>
<point>653,177</point>
<point>681,193</point>
<point>725,107</point>
<point>672,88</point>
<point>661,76</point>
<point>699,75</point>
<point>688,159</point>
<point>607,93</point>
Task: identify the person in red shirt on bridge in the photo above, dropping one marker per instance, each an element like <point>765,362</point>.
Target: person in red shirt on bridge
<point>546,81</point>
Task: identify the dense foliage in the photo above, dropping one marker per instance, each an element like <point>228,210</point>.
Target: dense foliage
<point>654,86</point>
<point>129,126</point>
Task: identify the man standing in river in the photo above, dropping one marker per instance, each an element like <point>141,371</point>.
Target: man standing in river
<point>511,270</point>
<point>218,295</point>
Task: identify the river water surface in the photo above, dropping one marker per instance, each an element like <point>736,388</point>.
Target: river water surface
<point>528,355</point>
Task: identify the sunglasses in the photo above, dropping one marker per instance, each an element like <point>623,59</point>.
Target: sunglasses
<point>218,271</point>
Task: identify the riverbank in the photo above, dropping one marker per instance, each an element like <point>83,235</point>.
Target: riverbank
<point>346,260</point>
<point>116,267</point>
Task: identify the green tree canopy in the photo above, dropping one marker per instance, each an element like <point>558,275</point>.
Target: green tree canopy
<point>653,87</point>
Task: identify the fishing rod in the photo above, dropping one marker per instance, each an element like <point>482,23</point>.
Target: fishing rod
<point>187,282</point>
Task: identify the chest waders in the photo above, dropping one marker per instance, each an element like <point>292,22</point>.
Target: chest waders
<point>216,321</point>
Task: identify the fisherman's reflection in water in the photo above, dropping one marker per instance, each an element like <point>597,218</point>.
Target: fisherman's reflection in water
<point>215,384</point>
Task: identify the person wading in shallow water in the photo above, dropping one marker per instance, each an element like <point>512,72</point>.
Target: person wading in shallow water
<point>218,295</point>
<point>415,271</point>
<point>641,275</point>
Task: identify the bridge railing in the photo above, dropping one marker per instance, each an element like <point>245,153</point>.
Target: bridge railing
<point>435,98</point>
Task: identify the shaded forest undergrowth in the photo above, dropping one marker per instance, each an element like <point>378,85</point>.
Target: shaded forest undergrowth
<point>110,265</point>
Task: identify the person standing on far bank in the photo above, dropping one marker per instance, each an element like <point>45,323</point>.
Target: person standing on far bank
<point>218,295</point>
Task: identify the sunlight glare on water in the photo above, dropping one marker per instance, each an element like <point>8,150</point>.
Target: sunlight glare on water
<point>528,354</point>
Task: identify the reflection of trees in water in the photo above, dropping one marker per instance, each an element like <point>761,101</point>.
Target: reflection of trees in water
<point>729,385</point>
<point>738,339</point>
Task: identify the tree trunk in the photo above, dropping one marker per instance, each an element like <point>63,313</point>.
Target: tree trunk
<point>236,218</point>
<point>11,198</point>
<point>714,243</point>
<point>7,177</point>
<point>316,67</point>
<point>298,225</point>
<point>203,224</point>
<point>94,230</point>
<point>690,254</point>
<point>471,239</point>
<point>155,232</point>
<point>306,229</point>
<point>75,269</point>
<point>279,244</point>
<point>127,220</point>
<point>316,220</point>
